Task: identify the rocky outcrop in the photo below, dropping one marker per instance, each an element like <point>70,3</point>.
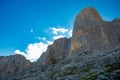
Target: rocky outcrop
<point>56,52</point>
<point>90,31</point>
<point>12,65</point>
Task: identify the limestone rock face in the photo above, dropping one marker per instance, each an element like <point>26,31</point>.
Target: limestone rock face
<point>116,20</point>
<point>56,52</point>
<point>90,31</point>
<point>88,12</point>
<point>12,65</point>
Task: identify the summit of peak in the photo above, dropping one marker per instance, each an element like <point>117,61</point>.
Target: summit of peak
<point>89,12</point>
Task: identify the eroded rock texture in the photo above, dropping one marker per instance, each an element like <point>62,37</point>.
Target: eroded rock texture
<point>12,66</point>
<point>56,52</point>
<point>90,31</point>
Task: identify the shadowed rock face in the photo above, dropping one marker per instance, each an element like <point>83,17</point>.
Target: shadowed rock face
<point>56,52</point>
<point>92,32</point>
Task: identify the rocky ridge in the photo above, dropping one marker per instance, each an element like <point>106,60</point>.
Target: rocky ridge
<point>92,53</point>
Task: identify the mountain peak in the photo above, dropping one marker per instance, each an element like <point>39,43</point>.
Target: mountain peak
<point>89,13</point>
<point>91,31</point>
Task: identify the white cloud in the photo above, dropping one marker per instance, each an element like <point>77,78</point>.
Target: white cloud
<point>70,32</point>
<point>44,39</point>
<point>57,37</point>
<point>33,51</point>
<point>58,30</point>
<point>41,38</point>
<point>31,30</point>
<point>49,42</point>
<point>19,52</point>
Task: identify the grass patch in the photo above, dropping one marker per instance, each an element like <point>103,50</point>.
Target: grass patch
<point>90,76</point>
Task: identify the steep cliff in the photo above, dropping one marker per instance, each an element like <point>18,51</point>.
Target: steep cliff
<point>12,66</point>
<point>91,31</point>
<point>56,52</point>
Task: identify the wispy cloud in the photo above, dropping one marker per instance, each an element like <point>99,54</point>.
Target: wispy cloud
<point>41,38</point>
<point>57,37</point>
<point>31,30</point>
<point>58,30</point>
<point>44,39</point>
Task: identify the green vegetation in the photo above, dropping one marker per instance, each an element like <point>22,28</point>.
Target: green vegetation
<point>90,76</point>
<point>42,69</point>
<point>52,74</point>
<point>87,68</point>
<point>71,71</point>
<point>113,67</point>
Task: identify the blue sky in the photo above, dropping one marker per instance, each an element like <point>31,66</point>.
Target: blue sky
<point>29,24</point>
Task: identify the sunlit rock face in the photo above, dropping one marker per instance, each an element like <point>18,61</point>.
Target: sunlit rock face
<point>13,65</point>
<point>88,12</point>
<point>92,32</point>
